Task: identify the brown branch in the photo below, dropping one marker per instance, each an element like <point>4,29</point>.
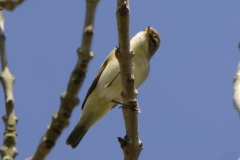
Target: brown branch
<point>131,144</point>
<point>10,4</point>
<point>69,99</point>
<point>8,150</point>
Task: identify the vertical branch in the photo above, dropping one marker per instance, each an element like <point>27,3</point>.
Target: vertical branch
<point>8,150</point>
<point>131,144</point>
<point>69,99</point>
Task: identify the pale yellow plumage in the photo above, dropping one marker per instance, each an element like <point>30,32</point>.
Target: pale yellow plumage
<point>99,98</point>
<point>236,91</point>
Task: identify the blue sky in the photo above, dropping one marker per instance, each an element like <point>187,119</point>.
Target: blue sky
<point>186,103</point>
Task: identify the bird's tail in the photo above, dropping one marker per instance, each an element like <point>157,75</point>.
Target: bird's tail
<point>76,136</point>
<point>90,115</point>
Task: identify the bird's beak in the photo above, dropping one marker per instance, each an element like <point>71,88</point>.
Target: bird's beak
<point>148,30</point>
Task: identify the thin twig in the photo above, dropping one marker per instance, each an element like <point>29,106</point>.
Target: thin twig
<point>69,98</point>
<point>8,150</point>
<point>131,144</point>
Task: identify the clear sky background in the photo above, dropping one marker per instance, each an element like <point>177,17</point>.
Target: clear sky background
<point>186,103</point>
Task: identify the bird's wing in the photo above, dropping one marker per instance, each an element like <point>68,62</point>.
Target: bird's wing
<point>94,83</point>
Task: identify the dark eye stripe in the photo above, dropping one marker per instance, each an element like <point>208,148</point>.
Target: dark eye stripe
<point>155,34</point>
<point>153,41</point>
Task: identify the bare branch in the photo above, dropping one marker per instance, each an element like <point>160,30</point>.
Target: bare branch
<point>69,99</point>
<point>8,150</point>
<point>131,144</point>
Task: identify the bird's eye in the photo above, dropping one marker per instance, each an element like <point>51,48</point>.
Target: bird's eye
<point>153,41</point>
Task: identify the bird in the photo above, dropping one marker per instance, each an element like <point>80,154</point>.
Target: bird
<point>236,90</point>
<point>1,21</point>
<point>105,90</point>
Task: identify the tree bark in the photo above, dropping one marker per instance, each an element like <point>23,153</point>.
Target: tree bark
<point>69,99</point>
<point>8,150</point>
<point>131,144</point>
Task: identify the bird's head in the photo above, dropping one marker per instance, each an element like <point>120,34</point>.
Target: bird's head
<point>146,42</point>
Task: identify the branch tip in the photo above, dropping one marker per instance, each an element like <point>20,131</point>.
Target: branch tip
<point>123,9</point>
